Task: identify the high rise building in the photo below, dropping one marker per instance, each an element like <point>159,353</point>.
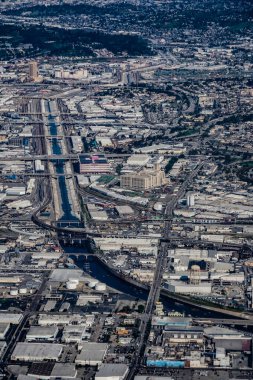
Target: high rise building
<point>144,180</point>
<point>195,275</point>
<point>33,70</point>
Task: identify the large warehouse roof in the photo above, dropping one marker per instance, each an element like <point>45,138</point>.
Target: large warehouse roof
<point>112,371</point>
<point>37,351</point>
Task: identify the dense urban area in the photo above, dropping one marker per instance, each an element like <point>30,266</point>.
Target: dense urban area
<point>126,189</point>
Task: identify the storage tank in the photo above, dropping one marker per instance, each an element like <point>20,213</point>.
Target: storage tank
<point>71,285</point>
<point>14,292</point>
<point>158,206</point>
<point>100,287</point>
<point>92,283</point>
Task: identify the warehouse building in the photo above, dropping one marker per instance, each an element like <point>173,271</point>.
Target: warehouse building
<point>123,211</point>
<point>145,246</point>
<point>9,280</point>
<point>138,160</point>
<point>92,354</point>
<point>16,191</point>
<point>3,346</point>
<point>96,213</point>
<point>38,166</point>
<point>75,334</point>
<point>77,144</point>
<point>48,333</point>
<point>30,352</point>
<point>13,318</point>
<point>50,371</point>
<point>183,335</point>
<point>185,288</point>
<point>112,372</point>
<point>4,328</point>
<point>94,164</point>
<point>60,319</point>
<point>83,181</point>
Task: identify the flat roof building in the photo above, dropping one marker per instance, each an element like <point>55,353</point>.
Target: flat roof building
<point>92,354</point>
<point>4,327</point>
<point>3,346</point>
<point>124,210</point>
<point>185,288</point>
<point>138,160</point>
<point>51,371</point>
<point>42,333</point>
<point>30,352</point>
<point>61,319</point>
<point>74,334</point>
<point>94,164</point>
<point>64,371</point>
<point>143,180</point>
<point>112,372</point>
<point>13,318</point>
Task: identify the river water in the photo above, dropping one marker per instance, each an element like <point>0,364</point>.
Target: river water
<point>94,268</point>
<point>67,217</point>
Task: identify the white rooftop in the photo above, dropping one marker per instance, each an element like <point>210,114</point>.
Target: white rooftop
<point>63,275</point>
<point>112,371</point>
<point>13,318</point>
<point>36,351</point>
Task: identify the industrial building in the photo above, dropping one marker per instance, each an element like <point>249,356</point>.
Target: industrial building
<point>13,318</point>
<point>4,328</point>
<point>124,210</point>
<point>29,352</point>
<point>96,213</point>
<point>138,160</point>
<point>46,333</point>
<point>64,370</point>
<point>75,334</point>
<point>60,319</point>
<point>92,354</point>
<point>3,346</point>
<point>185,288</point>
<point>112,372</point>
<point>16,190</point>
<point>83,181</point>
<point>183,335</point>
<point>77,144</point>
<point>143,245</point>
<point>80,73</point>
<point>50,371</point>
<point>94,164</point>
<point>38,166</point>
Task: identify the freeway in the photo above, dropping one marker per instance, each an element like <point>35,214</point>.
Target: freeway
<point>41,174</point>
<point>68,156</point>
